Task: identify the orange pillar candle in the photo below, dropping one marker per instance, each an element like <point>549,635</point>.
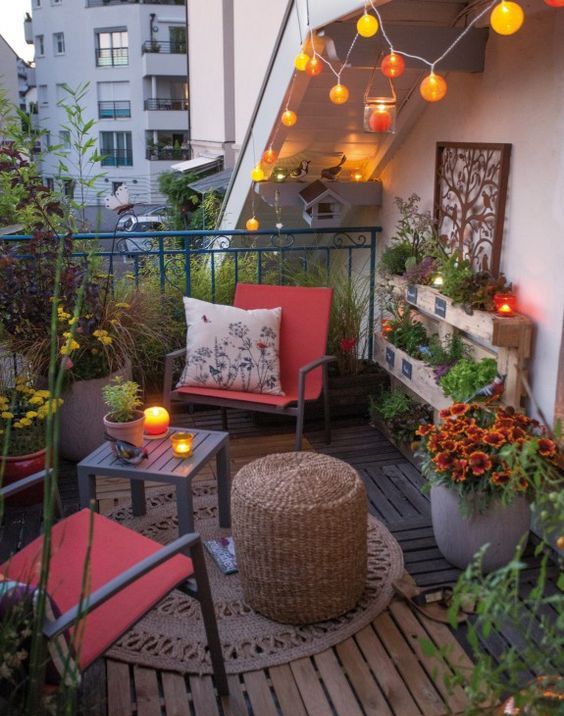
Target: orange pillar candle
<point>156,421</point>
<point>505,304</point>
<point>181,444</point>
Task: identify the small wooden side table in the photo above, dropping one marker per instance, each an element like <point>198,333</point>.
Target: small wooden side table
<point>162,466</point>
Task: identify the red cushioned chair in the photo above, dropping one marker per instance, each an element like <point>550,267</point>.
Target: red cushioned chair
<point>303,364</point>
<point>129,574</point>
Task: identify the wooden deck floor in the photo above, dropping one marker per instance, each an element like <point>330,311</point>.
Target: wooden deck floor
<point>381,670</point>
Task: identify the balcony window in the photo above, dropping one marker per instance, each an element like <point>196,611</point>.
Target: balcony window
<point>177,37</point>
<point>42,96</point>
<point>59,43</point>
<point>113,100</point>
<point>115,148</point>
<point>112,48</point>
<point>64,138</point>
<point>39,46</point>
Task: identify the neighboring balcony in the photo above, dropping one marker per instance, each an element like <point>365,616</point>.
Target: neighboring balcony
<point>167,105</point>
<point>112,56</point>
<point>117,158</point>
<point>167,48</point>
<point>101,3</point>
<point>166,114</point>
<point>114,110</point>
<point>166,154</point>
<point>164,59</point>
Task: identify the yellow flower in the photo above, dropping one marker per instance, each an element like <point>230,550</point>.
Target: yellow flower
<point>123,305</point>
<point>26,422</point>
<point>36,400</point>
<point>31,414</point>
<point>6,415</point>
<point>99,332</point>
<point>18,425</point>
<point>73,320</point>
<point>106,340</point>
<point>42,393</point>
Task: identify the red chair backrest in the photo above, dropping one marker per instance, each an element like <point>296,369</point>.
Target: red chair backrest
<point>303,330</point>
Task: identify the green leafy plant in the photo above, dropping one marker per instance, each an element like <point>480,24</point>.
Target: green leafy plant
<point>414,238</point>
<point>473,290</point>
<point>442,355</point>
<point>467,377</point>
<point>122,398</point>
<point>181,198</point>
<point>408,334</point>
<point>394,257</point>
<point>401,413</point>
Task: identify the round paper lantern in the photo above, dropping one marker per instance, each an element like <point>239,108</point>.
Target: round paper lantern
<point>252,224</point>
<point>392,65</point>
<point>507,17</point>
<point>289,118</point>
<point>301,60</point>
<point>257,173</point>
<point>339,94</point>
<point>314,67</point>
<point>433,88</point>
<point>380,121</point>
<point>367,25</point>
<point>554,3</point>
<point>269,156</point>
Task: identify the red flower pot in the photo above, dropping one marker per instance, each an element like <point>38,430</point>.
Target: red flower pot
<point>21,466</point>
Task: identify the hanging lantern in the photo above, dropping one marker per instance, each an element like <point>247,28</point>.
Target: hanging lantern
<point>279,174</point>
<point>339,94</point>
<point>392,65</point>
<point>269,156</point>
<point>380,112</point>
<point>252,224</point>
<point>314,67</point>
<point>367,25</point>
<point>380,119</point>
<point>257,173</point>
<point>507,17</point>
<point>433,88</point>
<point>554,3</point>
<point>301,60</point>
<point>288,118</point>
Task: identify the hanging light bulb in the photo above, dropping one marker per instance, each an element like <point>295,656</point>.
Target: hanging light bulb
<point>301,60</point>
<point>367,25</point>
<point>554,3</point>
<point>339,94</point>
<point>288,118</point>
<point>252,224</point>
<point>279,174</point>
<point>257,173</point>
<point>314,67</point>
<point>507,17</point>
<point>392,65</point>
<point>380,120</point>
<point>357,176</point>
<point>269,156</point>
<point>433,88</point>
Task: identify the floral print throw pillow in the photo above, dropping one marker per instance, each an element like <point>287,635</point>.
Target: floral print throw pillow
<point>232,349</point>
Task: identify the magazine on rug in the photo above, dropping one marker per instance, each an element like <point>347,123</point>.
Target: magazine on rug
<point>223,552</point>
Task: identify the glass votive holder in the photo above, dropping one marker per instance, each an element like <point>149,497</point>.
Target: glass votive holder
<point>181,444</point>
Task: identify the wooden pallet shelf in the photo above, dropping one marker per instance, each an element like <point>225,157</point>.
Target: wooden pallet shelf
<point>506,338</point>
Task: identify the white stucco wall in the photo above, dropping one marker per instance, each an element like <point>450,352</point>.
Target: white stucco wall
<point>518,99</point>
<point>9,72</point>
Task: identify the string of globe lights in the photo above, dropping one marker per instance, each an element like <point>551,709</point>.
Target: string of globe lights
<point>506,18</point>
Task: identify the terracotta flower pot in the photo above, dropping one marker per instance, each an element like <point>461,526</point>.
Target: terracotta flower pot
<point>459,537</point>
<point>131,432</point>
<point>20,466</point>
<point>81,415</point>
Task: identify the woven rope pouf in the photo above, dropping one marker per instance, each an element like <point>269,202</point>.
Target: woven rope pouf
<point>299,524</point>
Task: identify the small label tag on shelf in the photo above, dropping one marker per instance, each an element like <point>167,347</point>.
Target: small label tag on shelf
<point>440,307</point>
<point>406,368</point>
<point>390,357</point>
<point>411,294</point>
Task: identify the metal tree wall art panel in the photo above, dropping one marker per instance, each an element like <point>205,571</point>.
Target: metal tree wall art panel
<point>470,194</point>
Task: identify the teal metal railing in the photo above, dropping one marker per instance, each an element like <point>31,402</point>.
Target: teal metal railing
<point>174,259</point>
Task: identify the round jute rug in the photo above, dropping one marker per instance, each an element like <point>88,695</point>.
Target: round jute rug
<point>172,637</point>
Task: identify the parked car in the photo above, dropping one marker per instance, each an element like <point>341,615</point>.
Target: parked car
<point>152,220</point>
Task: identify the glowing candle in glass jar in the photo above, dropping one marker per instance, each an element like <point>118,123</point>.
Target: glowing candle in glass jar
<point>387,326</point>
<point>181,444</point>
<point>505,304</point>
<point>156,421</point>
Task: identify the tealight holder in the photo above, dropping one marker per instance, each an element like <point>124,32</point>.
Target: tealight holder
<point>156,424</point>
<point>181,444</point>
<point>505,304</point>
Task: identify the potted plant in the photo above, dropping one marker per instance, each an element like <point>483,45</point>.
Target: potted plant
<point>476,495</point>
<point>124,421</point>
<point>23,411</point>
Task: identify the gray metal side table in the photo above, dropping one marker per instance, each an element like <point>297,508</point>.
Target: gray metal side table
<point>162,466</point>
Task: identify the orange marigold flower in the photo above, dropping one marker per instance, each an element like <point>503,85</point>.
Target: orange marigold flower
<point>501,477</point>
<point>459,408</point>
<point>479,462</point>
<point>523,484</point>
<point>474,432</point>
<point>444,413</point>
<point>423,430</point>
<point>444,461</point>
<point>503,422</point>
<point>494,438</point>
<point>547,448</point>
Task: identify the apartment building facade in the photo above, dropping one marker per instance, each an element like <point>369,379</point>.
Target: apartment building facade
<point>133,54</point>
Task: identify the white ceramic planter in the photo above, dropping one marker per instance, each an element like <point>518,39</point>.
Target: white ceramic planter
<point>131,432</point>
<point>82,414</point>
<point>459,538</point>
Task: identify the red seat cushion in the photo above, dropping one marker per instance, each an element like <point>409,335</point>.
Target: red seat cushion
<point>114,549</point>
<point>225,395</point>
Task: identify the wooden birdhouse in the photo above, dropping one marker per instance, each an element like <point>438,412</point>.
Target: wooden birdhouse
<point>323,207</point>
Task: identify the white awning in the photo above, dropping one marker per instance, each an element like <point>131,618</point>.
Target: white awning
<point>197,164</point>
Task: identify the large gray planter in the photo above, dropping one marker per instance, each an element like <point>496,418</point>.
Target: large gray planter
<point>82,415</point>
<point>459,538</point>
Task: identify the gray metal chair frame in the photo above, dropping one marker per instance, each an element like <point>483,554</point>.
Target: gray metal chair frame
<point>198,587</point>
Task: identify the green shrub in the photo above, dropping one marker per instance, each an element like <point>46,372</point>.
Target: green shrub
<point>401,413</point>
<point>468,376</point>
<point>409,335</point>
<point>394,257</point>
<point>122,398</point>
